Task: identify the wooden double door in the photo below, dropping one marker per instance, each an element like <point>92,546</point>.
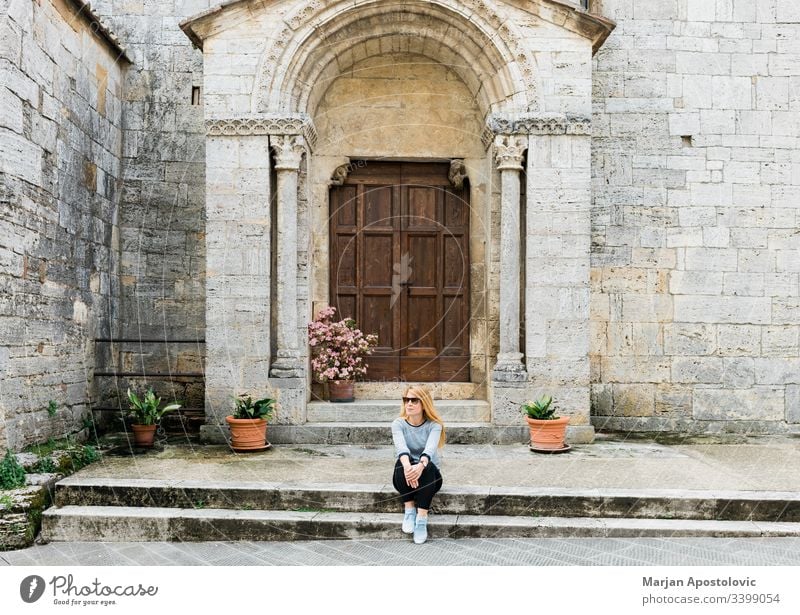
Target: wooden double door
<point>399,251</point>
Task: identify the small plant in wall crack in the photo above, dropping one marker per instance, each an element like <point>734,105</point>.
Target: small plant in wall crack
<point>45,466</point>
<point>52,408</point>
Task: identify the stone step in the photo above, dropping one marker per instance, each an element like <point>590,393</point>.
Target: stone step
<point>374,432</point>
<point>439,390</point>
<point>492,501</point>
<point>366,410</point>
<point>135,524</point>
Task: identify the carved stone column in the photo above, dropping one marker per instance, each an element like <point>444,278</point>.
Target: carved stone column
<point>289,150</point>
<point>509,150</point>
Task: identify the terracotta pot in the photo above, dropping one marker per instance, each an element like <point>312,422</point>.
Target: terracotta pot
<point>548,434</point>
<point>144,435</point>
<point>247,434</point>
<point>341,391</point>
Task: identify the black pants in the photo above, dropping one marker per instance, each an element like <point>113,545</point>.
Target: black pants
<point>430,481</point>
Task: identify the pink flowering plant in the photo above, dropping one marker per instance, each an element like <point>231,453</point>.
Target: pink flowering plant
<point>338,348</point>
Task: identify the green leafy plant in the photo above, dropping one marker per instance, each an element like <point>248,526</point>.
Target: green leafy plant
<point>88,454</point>
<point>52,408</point>
<point>543,409</point>
<point>12,474</point>
<point>147,410</point>
<point>82,456</point>
<point>45,466</point>
<point>246,408</point>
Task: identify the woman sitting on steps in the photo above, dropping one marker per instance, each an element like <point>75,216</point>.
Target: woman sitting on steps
<point>418,434</point>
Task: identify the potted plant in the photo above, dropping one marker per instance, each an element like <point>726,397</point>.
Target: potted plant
<point>248,423</point>
<point>338,349</point>
<point>548,431</point>
<point>147,413</point>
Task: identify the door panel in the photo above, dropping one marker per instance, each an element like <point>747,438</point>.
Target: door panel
<point>400,267</point>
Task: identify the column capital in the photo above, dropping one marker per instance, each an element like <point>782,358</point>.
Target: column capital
<point>256,124</point>
<point>509,151</point>
<point>289,149</point>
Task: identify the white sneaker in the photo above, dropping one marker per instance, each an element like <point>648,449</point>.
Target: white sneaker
<point>409,520</point>
<point>421,530</point>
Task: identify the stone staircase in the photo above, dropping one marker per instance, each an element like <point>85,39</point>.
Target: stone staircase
<point>367,421</point>
<point>117,509</point>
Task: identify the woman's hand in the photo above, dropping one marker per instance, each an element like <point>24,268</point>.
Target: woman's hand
<point>412,474</point>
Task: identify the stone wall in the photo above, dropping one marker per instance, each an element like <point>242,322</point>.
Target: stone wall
<point>695,247</point>
<point>162,224</point>
<point>60,185</point>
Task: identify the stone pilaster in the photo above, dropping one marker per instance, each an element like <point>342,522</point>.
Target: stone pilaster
<point>238,247</point>
<point>289,151</point>
<point>509,152</point>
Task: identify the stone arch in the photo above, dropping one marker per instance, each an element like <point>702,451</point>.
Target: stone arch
<point>322,39</point>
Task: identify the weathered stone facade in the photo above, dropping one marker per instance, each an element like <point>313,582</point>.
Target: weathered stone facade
<point>696,251</point>
<point>655,279</point>
<point>61,83</point>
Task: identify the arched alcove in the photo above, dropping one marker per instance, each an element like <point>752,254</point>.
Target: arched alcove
<point>323,43</point>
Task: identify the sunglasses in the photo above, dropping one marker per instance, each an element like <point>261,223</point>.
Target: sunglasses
<point>413,400</point>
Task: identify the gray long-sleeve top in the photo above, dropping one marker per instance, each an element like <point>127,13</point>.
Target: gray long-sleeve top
<point>416,441</point>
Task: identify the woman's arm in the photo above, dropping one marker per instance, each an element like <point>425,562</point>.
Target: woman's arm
<point>432,443</point>
<point>400,446</point>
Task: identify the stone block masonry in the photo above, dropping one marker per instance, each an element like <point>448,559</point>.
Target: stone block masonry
<point>162,224</point>
<point>60,188</point>
<point>694,155</point>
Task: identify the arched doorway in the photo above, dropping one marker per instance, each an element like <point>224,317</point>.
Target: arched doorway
<point>287,105</point>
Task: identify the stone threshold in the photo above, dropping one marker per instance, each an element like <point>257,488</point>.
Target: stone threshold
<point>439,390</point>
<point>379,433</point>
<point>367,410</point>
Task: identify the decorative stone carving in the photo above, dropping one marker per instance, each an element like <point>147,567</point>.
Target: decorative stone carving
<point>340,174</point>
<point>289,150</point>
<point>487,137</point>
<point>509,151</point>
<point>457,173</point>
<point>316,22</point>
<point>540,124</point>
<point>263,124</point>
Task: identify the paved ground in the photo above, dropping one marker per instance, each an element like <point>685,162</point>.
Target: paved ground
<point>443,552</point>
<point>612,462</point>
<point>716,463</point>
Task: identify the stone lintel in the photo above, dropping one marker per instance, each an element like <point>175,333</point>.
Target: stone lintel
<point>536,124</point>
<point>264,124</point>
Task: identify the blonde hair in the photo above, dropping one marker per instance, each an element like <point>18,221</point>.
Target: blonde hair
<point>428,409</point>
